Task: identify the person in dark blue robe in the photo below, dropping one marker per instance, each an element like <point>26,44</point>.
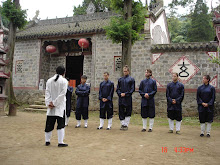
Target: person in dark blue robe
<point>68,102</point>
<point>106,91</point>
<point>205,101</point>
<point>125,88</point>
<point>82,91</point>
<point>147,90</point>
<point>175,95</point>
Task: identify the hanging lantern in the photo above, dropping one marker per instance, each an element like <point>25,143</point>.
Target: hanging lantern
<point>83,43</point>
<point>51,49</point>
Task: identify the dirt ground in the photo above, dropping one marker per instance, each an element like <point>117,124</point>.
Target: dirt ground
<point>22,142</point>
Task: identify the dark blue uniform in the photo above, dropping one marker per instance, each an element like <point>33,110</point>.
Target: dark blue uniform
<point>175,90</point>
<point>125,85</point>
<point>206,94</point>
<point>68,100</point>
<point>82,91</point>
<point>106,90</point>
<point>148,86</point>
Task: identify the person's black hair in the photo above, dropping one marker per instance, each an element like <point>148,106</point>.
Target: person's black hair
<point>84,77</point>
<point>207,77</point>
<point>60,71</point>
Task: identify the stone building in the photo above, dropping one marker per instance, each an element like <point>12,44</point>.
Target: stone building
<point>33,65</point>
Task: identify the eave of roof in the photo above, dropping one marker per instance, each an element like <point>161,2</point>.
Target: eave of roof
<point>82,24</point>
<point>178,47</point>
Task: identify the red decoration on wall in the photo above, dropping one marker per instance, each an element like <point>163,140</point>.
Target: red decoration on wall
<point>51,49</point>
<point>83,43</point>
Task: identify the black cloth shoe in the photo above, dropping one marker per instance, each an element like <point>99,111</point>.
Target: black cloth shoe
<point>201,135</point>
<point>77,126</point>
<point>178,132</point>
<point>100,128</point>
<point>47,143</point>
<point>122,127</point>
<point>143,130</point>
<point>62,145</point>
<point>108,128</point>
<point>170,131</point>
<point>150,130</point>
<point>125,128</point>
<point>208,135</point>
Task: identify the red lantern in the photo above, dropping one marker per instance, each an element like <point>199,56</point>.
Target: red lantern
<point>51,49</point>
<point>83,43</point>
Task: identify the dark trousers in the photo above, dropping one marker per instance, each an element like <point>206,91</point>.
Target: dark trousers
<point>205,117</point>
<point>174,115</point>
<point>51,120</point>
<point>103,112</point>
<point>82,111</point>
<point>68,112</point>
<point>147,112</point>
<point>124,111</point>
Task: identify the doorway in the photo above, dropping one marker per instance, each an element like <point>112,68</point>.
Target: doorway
<point>74,68</point>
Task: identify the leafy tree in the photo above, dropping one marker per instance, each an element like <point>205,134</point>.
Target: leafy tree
<point>182,3</point>
<point>17,19</point>
<point>126,28</point>
<point>178,28</point>
<point>200,29</point>
<point>101,5</point>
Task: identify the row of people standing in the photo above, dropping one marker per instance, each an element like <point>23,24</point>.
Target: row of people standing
<point>147,90</point>
<point>125,89</point>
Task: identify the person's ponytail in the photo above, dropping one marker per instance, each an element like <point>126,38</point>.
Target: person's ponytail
<point>57,78</point>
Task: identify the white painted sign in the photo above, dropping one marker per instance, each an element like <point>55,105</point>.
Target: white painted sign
<point>214,82</point>
<point>155,57</point>
<point>212,54</point>
<point>185,68</point>
<point>158,83</point>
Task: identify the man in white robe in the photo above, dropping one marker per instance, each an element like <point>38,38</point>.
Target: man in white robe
<point>55,100</point>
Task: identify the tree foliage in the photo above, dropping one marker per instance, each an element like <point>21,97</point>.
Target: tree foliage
<point>15,15</point>
<point>178,28</point>
<point>200,28</point>
<point>101,5</point>
<point>120,29</point>
<point>216,60</point>
<point>182,3</point>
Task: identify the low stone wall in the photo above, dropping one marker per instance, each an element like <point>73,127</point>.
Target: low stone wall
<point>189,103</point>
<point>27,96</point>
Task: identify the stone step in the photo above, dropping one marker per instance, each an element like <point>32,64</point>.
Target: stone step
<point>39,102</point>
<point>38,106</point>
<point>41,99</point>
<point>35,110</point>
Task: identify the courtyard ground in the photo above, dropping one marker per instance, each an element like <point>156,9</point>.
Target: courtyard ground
<point>22,142</point>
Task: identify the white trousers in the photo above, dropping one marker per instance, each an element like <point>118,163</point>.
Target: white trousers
<point>127,120</point>
<point>151,123</point>
<point>109,123</point>
<point>101,122</point>
<point>67,120</point>
<point>48,136</point>
<point>61,134</point>
<point>78,122</point>
<point>144,123</point>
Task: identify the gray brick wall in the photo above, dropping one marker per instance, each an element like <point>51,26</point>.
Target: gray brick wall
<point>29,53</point>
<point>102,59</point>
